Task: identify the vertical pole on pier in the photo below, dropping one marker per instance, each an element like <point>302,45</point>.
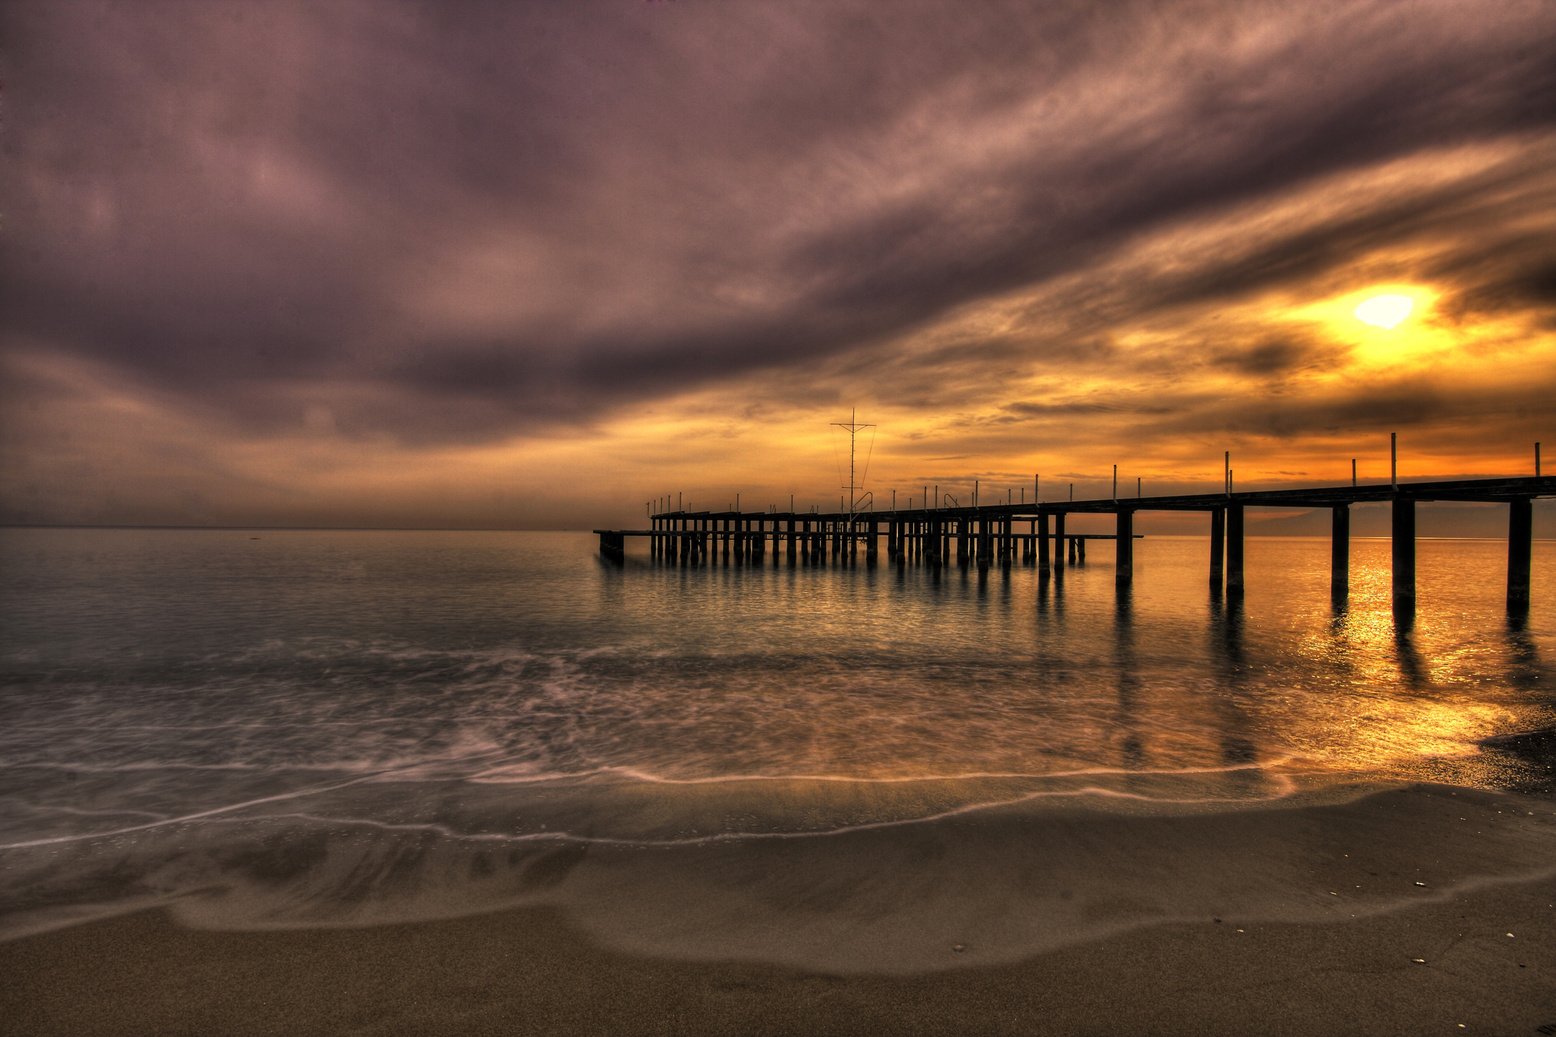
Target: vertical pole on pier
<point>1536,460</point>
<point>1059,546</point>
<point>1115,484</point>
<point>1394,460</point>
<point>1042,545</point>
<point>1139,488</point>
<point>1217,547</point>
<point>1226,471</point>
<point>1234,550</point>
<point>1404,554</point>
<point>1353,472</point>
<point>1340,553</point>
<point>789,547</point>
<point>872,547</point>
<point>1125,566</point>
<point>1520,543</point>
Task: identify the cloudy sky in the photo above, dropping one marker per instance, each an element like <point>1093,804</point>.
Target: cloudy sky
<point>533,264</point>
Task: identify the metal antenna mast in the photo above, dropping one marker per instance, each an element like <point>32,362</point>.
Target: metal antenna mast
<point>854,428</point>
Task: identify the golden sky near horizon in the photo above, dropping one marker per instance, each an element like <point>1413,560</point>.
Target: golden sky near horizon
<point>534,265</point>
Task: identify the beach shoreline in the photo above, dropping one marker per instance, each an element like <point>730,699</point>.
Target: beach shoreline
<point>529,971</point>
<point>1474,944</point>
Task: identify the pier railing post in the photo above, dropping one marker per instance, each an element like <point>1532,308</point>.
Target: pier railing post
<point>1520,549</point>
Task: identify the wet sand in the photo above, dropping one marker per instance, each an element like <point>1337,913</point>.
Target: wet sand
<point>1324,915</point>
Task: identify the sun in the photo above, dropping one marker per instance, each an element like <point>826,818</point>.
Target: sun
<point>1384,311</point>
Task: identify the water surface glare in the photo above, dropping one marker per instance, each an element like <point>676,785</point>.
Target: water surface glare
<point>295,728</point>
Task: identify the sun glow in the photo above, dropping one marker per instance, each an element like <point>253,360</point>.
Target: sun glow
<point>1384,311</point>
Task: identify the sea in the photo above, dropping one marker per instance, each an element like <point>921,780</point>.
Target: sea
<point>286,729</point>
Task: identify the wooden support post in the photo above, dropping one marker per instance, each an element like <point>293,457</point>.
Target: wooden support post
<point>1520,550</point>
<point>872,545</point>
<point>1217,547</point>
<point>1125,564</point>
<point>1340,553</point>
<point>1234,549</point>
<point>1404,554</point>
<point>1042,545</point>
<point>1059,546</point>
<point>1074,552</point>
<point>791,548</point>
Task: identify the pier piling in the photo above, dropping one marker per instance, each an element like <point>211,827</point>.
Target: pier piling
<point>1125,565</point>
<point>1340,552</point>
<point>1234,550</point>
<point>1217,547</point>
<point>1404,553</point>
<point>1520,551</point>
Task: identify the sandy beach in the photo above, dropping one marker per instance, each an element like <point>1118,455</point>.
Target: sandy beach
<point>1415,911</point>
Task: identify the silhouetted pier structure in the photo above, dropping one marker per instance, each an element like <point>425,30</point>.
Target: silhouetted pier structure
<point>1034,534</point>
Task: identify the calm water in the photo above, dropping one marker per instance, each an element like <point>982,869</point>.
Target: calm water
<point>296,728</point>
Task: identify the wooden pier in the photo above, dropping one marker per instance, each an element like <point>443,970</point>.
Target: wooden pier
<point>1035,535</point>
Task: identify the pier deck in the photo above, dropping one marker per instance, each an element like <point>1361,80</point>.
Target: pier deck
<point>1034,533</point>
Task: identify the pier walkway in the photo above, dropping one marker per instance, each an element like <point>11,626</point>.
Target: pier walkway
<point>1034,534</point>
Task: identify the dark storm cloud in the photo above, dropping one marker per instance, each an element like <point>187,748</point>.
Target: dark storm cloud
<point>453,222</point>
